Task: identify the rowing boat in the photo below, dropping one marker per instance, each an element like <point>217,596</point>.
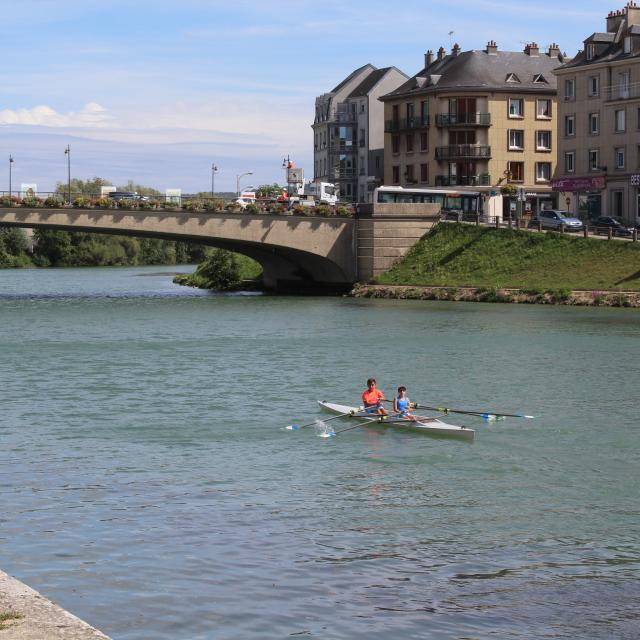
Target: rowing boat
<point>430,426</point>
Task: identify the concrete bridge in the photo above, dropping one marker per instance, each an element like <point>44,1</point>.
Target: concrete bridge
<point>296,252</point>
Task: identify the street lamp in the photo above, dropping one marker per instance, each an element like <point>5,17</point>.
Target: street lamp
<point>67,152</point>
<point>238,178</point>
<point>286,165</point>
<point>214,170</point>
<point>10,167</point>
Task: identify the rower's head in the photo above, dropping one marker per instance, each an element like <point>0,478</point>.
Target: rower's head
<point>371,383</point>
<point>402,390</point>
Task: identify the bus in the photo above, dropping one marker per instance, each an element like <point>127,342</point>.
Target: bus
<point>452,202</point>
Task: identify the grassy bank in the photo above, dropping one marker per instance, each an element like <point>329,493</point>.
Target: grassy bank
<point>459,255</point>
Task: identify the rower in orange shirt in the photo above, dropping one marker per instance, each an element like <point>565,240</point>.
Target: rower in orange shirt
<point>372,398</point>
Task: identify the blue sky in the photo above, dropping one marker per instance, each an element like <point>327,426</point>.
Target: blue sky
<point>158,91</point>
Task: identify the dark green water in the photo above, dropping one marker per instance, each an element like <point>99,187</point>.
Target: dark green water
<point>149,487</point>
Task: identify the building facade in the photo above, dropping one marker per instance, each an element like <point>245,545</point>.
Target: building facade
<point>599,122</point>
<point>477,121</point>
<point>348,133</point>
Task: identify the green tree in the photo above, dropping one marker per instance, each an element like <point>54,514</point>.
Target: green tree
<point>83,187</point>
<point>269,190</point>
<point>52,248</point>
<point>141,189</point>
<point>14,240</point>
<point>220,271</point>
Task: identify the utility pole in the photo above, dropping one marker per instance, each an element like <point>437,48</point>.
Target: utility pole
<point>214,170</point>
<point>10,167</point>
<point>67,152</point>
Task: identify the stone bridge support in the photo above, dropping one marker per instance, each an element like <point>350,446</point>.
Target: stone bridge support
<point>386,232</point>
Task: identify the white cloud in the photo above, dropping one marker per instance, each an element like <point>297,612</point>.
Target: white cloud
<point>91,115</point>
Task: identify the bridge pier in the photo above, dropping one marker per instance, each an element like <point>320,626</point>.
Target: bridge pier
<point>386,232</point>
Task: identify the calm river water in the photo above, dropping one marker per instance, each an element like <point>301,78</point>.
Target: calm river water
<point>148,485</point>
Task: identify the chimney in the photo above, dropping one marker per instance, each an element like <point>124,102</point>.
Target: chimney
<point>532,50</point>
<point>492,48</point>
<point>428,58</point>
<point>456,50</point>
<point>441,53</point>
<point>554,51</point>
<point>615,19</point>
<point>633,13</point>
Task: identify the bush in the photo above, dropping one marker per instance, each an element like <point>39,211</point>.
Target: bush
<point>8,201</point>
<point>104,203</point>
<point>53,202</point>
<point>214,204</point>
<point>324,210</point>
<point>146,205</point>
<point>82,202</point>
<point>343,212</point>
<point>127,205</point>
<point>192,205</point>
<point>220,271</point>
<point>31,201</point>
<point>252,208</point>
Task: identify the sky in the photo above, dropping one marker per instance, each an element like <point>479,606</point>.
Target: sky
<point>157,92</point>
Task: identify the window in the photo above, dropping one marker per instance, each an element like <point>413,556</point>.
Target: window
<point>594,124</point>
<point>424,112</point>
<point>362,167</point>
<point>619,153</point>
<point>543,140</point>
<point>512,77</point>
<point>395,144</point>
<point>424,141</point>
<point>570,89</point>
<point>570,161</point>
<point>362,107</point>
<point>591,51</point>
<point>617,200</point>
<point>543,109</point>
<point>593,86</point>
<point>409,142</point>
<point>516,169</point>
<point>363,139</point>
<point>620,122</point>
<point>409,111</point>
<point>395,172</point>
<point>516,108</point>
<point>624,82</point>
<point>516,139</point>
<point>627,44</point>
<point>569,125</point>
<point>409,174</point>
<point>539,79</point>
<point>424,173</point>
<point>594,160</point>
<point>543,171</point>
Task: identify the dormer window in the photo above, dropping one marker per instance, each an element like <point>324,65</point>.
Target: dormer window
<point>591,51</point>
<point>539,79</point>
<point>512,77</point>
<point>627,44</point>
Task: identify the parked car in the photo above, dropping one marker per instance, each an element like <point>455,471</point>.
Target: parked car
<point>127,195</point>
<point>604,223</point>
<point>555,219</point>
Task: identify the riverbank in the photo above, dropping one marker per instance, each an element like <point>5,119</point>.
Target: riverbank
<point>26,615</point>
<point>595,298</point>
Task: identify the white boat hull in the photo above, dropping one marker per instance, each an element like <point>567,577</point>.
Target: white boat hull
<point>430,426</point>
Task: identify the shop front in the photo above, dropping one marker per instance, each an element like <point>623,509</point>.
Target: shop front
<point>581,196</point>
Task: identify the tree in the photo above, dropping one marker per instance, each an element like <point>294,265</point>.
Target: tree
<point>52,248</point>
<point>269,190</point>
<point>142,190</point>
<point>220,271</point>
<point>83,187</point>
<point>14,240</point>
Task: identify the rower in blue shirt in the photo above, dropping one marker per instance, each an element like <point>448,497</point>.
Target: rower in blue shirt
<point>402,404</point>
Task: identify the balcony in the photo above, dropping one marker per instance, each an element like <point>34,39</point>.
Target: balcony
<point>483,180</point>
<point>463,120</point>
<point>343,147</point>
<point>464,152</point>
<point>622,92</point>
<point>343,174</point>
<point>406,124</point>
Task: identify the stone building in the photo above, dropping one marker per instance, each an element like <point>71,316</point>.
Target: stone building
<point>348,134</point>
<point>477,121</point>
<point>599,122</point>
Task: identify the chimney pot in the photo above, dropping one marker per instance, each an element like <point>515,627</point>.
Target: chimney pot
<point>441,53</point>
<point>428,58</point>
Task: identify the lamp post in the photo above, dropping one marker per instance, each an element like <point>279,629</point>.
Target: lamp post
<point>286,165</point>
<point>67,152</point>
<point>214,170</point>
<point>238,178</point>
<point>10,167</point>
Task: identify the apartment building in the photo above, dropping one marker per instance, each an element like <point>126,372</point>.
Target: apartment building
<point>480,120</point>
<point>599,122</point>
<point>348,132</point>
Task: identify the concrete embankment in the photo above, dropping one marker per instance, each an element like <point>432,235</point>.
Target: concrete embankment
<point>479,294</point>
<point>26,615</point>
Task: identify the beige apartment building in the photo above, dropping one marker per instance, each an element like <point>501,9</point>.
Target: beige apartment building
<point>599,122</point>
<point>480,121</point>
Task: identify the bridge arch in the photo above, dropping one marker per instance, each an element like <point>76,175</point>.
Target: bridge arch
<point>296,252</point>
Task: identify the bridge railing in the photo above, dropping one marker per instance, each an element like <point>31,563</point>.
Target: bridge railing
<point>185,203</point>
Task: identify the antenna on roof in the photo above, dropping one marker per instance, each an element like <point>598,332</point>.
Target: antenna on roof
<point>451,37</point>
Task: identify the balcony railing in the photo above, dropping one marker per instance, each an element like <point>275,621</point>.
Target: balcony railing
<point>342,147</point>
<point>343,174</point>
<point>483,180</point>
<point>463,152</point>
<point>403,124</point>
<point>622,92</point>
<point>463,119</point>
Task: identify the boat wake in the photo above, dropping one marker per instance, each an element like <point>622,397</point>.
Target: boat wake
<point>323,430</point>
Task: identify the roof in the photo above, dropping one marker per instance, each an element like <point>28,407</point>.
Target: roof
<point>371,81</point>
<point>477,70</point>
<point>601,37</point>
<point>350,77</point>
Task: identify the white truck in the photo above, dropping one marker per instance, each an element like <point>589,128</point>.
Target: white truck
<point>321,192</point>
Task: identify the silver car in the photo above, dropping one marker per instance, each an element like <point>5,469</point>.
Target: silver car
<point>555,219</point>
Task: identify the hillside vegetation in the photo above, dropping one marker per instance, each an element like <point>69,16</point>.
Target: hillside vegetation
<point>457,255</point>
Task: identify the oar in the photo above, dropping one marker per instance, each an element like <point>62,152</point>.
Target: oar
<point>487,415</point>
<point>355,426</point>
<point>296,427</point>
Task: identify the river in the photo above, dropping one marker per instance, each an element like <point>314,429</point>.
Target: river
<point>149,486</point>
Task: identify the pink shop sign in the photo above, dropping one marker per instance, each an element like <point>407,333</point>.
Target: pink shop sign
<point>589,183</point>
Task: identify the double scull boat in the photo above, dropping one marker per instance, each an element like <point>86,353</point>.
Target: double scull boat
<point>430,426</point>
